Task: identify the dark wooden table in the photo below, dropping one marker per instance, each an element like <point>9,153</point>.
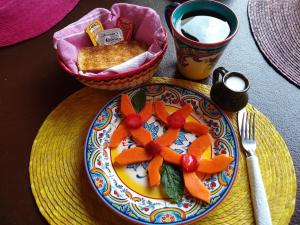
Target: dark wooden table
<point>32,84</point>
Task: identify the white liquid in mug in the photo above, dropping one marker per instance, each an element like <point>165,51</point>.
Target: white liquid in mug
<point>235,83</point>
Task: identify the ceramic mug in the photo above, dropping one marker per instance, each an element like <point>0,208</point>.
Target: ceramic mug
<point>229,89</point>
<point>195,60</point>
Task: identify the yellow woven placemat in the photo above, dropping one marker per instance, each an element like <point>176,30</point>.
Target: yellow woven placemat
<point>64,196</point>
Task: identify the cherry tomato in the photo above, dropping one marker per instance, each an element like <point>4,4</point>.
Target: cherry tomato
<point>153,148</point>
<point>176,121</point>
<point>133,121</point>
<point>189,163</point>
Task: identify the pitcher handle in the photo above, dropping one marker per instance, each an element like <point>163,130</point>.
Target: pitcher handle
<point>168,12</point>
<point>217,72</point>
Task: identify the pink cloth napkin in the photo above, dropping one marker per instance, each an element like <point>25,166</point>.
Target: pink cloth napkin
<point>24,19</point>
<point>147,29</point>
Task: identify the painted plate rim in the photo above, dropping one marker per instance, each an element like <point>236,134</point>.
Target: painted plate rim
<point>130,219</point>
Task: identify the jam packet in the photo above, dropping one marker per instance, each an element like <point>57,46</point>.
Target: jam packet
<point>93,29</point>
<point>126,26</point>
<point>110,36</point>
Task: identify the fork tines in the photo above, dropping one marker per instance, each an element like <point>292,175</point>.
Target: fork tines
<point>248,126</point>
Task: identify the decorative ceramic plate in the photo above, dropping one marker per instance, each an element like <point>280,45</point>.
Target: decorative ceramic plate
<point>125,189</point>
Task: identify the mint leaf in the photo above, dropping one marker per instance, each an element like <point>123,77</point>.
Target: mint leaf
<point>139,100</point>
<point>172,181</point>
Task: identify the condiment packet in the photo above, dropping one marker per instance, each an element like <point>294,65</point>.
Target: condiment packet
<point>93,29</point>
<point>126,26</point>
<point>109,36</point>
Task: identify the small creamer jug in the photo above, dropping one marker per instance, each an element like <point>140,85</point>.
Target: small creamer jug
<point>229,89</point>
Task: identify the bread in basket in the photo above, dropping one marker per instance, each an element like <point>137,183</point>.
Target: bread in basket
<point>147,29</point>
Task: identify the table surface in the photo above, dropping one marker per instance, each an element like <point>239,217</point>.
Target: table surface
<point>32,84</point>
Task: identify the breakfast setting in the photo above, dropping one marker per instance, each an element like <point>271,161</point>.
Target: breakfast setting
<point>150,112</point>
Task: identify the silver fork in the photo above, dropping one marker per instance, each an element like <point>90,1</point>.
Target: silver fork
<point>259,198</point>
<point>248,133</point>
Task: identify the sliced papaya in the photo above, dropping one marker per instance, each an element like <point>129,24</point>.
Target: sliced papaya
<point>168,138</point>
<point>120,134</point>
<point>161,112</point>
<point>126,106</point>
<point>196,128</point>
<point>214,165</point>
<point>171,156</point>
<point>199,145</point>
<point>202,176</point>
<point>141,136</point>
<point>195,187</point>
<point>154,170</point>
<point>186,110</point>
<point>146,112</point>
<point>132,155</point>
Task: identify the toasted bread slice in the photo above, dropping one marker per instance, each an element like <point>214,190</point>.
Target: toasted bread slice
<point>94,59</point>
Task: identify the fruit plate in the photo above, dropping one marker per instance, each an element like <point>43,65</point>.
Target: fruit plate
<point>125,189</point>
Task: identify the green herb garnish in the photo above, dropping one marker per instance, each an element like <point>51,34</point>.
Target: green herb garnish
<point>139,100</point>
<point>172,181</point>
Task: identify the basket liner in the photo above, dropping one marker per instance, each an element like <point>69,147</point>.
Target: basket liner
<point>147,29</point>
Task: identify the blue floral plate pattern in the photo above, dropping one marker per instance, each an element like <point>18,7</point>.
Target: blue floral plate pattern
<point>125,190</point>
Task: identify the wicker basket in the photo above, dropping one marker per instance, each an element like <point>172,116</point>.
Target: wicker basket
<point>125,80</point>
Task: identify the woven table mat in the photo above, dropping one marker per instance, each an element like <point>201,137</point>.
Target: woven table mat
<point>275,26</point>
<point>22,20</point>
<point>64,195</point>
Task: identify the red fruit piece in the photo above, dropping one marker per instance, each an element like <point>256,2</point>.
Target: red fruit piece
<point>133,121</point>
<point>189,163</point>
<point>153,148</point>
<point>176,120</point>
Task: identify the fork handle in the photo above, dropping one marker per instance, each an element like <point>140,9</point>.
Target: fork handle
<point>258,193</point>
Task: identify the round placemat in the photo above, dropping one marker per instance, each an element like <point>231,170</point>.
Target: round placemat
<point>64,195</point>
<point>22,20</point>
<point>275,26</point>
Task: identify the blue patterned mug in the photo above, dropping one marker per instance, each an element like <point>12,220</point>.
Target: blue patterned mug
<point>196,58</point>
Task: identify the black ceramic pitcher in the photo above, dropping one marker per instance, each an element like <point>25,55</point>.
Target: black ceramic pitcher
<point>229,89</point>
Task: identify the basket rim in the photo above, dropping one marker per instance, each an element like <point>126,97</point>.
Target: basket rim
<point>118,75</point>
<point>124,80</point>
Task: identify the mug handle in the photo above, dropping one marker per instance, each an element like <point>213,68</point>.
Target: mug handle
<point>168,12</point>
<point>217,72</point>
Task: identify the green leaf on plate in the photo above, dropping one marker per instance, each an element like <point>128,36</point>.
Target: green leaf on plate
<point>172,181</point>
<point>139,100</point>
